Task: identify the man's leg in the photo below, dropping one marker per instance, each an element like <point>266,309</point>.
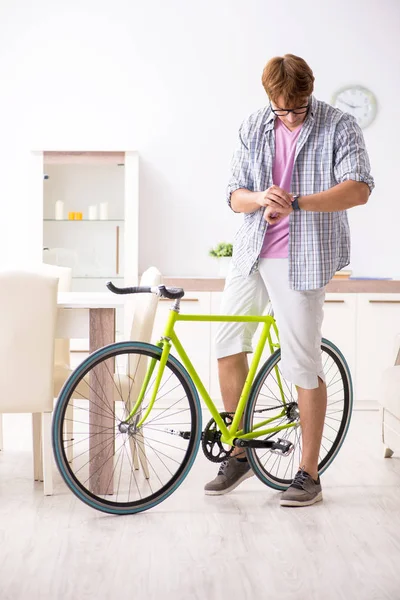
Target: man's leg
<point>312,405</point>
<point>232,371</point>
<point>242,296</point>
<point>306,486</point>
<point>299,317</point>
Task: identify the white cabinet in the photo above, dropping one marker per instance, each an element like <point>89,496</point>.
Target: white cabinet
<point>378,326</point>
<point>339,326</point>
<point>90,210</point>
<point>98,247</point>
<point>365,327</point>
<point>194,336</point>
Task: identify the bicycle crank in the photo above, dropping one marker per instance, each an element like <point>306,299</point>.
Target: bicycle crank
<point>279,446</point>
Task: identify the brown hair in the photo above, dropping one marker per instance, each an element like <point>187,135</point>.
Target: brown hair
<point>288,76</point>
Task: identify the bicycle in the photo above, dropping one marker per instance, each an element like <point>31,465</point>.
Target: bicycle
<point>128,422</point>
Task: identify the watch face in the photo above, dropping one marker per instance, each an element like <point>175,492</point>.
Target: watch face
<point>358,102</point>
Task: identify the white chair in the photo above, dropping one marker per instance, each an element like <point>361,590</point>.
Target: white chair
<point>390,407</point>
<point>145,308</point>
<point>61,363</point>
<point>28,313</point>
<point>62,367</point>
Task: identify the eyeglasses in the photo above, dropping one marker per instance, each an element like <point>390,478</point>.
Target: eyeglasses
<point>283,112</point>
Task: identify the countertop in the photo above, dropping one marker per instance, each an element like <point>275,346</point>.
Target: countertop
<point>339,286</point>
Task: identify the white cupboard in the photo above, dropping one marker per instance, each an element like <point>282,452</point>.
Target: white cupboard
<point>378,326</point>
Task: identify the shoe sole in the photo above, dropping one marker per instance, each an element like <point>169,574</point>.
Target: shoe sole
<point>317,498</point>
<point>231,488</point>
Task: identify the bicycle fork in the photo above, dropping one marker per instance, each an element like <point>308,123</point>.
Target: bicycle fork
<point>165,344</point>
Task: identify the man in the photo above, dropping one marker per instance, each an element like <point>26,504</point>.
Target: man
<point>299,165</point>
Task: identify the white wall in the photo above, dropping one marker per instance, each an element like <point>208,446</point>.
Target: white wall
<point>173,80</point>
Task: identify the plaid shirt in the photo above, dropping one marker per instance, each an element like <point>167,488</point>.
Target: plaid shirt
<point>330,150</point>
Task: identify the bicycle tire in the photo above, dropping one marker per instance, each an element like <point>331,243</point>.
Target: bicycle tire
<point>280,482</point>
<point>70,397</point>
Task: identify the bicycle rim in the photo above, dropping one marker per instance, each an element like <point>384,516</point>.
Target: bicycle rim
<point>265,401</point>
<point>124,469</point>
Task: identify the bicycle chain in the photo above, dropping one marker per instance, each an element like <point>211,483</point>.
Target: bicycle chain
<point>211,437</point>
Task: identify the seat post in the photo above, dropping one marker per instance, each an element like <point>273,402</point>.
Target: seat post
<point>177,305</point>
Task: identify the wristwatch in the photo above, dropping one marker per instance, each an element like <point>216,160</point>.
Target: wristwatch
<point>295,203</point>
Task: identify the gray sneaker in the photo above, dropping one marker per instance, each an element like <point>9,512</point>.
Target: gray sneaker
<point>231,474</point>
<point>304,491</point>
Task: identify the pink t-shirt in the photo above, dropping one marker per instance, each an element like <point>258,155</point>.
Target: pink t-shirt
<point>276,240</point>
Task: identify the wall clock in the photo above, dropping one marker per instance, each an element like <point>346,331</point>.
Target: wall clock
<point>357,101</point>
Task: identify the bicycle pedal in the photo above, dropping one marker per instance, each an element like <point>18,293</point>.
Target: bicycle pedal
<point>282,447</point>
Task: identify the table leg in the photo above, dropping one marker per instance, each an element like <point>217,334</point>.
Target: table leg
<point>101,405</point>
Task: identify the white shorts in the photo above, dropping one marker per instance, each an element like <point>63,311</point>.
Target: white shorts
<point>298,315</point>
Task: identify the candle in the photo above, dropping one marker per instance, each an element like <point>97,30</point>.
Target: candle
<point>59,210</point>
<point>93,212</point>
<point>103,211</point>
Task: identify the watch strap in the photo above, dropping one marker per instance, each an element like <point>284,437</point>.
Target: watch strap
<point>295,203</point>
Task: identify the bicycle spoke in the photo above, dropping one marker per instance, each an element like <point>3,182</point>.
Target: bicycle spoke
<point>178,412</point>
<point>89,437</point>
<point>109,444</point>
<point>109,413</point>
<point>165,444</point>
<point>132,476</point>
<point>159,415</point>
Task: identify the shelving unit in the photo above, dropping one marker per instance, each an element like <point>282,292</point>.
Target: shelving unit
<point>97,250</point>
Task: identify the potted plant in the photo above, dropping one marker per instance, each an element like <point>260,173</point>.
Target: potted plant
<point>223,252</point>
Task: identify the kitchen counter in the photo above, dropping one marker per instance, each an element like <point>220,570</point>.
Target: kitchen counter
<point>338,286</point>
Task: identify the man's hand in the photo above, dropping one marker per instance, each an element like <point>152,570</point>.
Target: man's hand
<point>277,202</point>
<point>275,197</point>
<point>274,215</point>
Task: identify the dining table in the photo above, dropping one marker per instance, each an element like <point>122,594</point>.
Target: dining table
<point>92,315</point>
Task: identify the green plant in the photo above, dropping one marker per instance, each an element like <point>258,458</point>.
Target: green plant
<point>221,250</point>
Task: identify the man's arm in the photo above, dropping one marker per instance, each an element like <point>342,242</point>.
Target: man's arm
<point>340,197</point>
<point>244,201</point>
<point>352,173</point>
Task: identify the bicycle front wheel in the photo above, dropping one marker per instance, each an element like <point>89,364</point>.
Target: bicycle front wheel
<point>113,464</point>
<point>273,396</point>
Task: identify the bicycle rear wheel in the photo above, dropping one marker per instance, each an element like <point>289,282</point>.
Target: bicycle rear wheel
<point>278,471</point>
<point>115,466</point>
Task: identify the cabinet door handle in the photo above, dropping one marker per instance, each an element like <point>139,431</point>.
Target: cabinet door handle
<point>384,301</point>
<point>334,301</point>
<point>117,250</point>
<point>182,300</point>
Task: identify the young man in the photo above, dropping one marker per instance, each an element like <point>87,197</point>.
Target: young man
<point>299,165</point>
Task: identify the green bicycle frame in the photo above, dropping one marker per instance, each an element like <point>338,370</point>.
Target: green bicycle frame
<point>170,339</point>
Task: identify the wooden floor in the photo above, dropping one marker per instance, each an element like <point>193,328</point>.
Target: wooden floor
<point>239,546</point>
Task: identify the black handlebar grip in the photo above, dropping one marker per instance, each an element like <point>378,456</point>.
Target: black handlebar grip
<point>128,290</point>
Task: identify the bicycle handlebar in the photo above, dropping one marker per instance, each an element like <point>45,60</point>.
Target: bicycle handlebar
<point>171,293</point>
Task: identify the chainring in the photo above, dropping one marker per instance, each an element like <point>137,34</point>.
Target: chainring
<point>211,440</point>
